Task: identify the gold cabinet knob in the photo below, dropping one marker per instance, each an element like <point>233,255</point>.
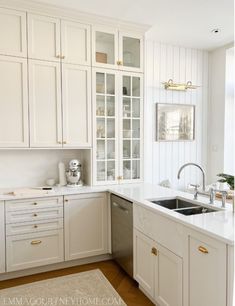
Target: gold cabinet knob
<point>154,251</point>
<point>64,142</point>
<point>66,200</point>
<point>59,142</point>
<point>119,63</point>
<point>35,215</point>
<point>35,203</point>
<point>34,242</point>
<point>57,56</point>
<point>62,57</point>
<point>203,250</point>
<point>120,178</point>
<point>35,226</point>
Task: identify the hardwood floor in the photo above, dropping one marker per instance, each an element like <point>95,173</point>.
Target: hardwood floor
<point>124,285</point>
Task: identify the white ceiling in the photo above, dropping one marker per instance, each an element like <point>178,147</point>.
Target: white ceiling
<point>181,22</point>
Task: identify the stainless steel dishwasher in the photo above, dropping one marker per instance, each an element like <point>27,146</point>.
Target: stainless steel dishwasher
<point>122,232</point>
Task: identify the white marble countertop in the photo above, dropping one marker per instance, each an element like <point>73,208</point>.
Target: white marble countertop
<point>219,225</point>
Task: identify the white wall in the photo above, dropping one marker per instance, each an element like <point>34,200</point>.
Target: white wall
<point>24,168</point>
<point>216,112</point>
<point>163,159</point>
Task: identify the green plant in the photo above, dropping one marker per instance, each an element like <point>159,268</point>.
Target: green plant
<point>226,178</point>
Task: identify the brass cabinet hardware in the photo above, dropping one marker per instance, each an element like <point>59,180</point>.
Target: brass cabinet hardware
<point>34,242</point>
<point>35,203</point>
<point>66,200</point>
<point>35,226</point>
<point>35,215</point>
<point>59,142</point>
<point>57,56</point>
<point>64,142</point>
<point>120,177</point>
<point>154,251</point>
<point>119,63</point>
<point>62,57</point>
<point>203,250</point>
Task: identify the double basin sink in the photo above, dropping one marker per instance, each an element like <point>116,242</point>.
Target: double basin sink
<point>184,207</point>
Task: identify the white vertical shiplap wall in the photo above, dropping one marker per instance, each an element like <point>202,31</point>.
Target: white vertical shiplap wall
<point>163,159</point>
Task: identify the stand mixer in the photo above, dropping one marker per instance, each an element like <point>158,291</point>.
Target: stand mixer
<point>73,174</point>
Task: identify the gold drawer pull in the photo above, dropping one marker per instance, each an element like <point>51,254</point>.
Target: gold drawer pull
<point>202,250</point>
<point>34,242</point>
<point>62,57</point>
<point>57,56</point>
<point>35,226</point>
<point>154,251</point>
<point>35,215</point>
<point>35,203</point>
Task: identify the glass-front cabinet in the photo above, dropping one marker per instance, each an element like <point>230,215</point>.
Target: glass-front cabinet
<point>117,109</point>
<point>117,50</point>
<point>131,127</point>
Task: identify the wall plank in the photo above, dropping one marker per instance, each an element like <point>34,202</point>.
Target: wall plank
<point>163,159</point>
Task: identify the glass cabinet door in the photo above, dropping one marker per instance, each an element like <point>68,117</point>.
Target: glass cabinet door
<point>131,127</point>
<point>106,49</point>
<point>105,127</point>
<point>131,52</point>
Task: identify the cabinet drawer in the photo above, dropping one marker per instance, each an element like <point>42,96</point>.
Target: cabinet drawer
<point>35,203</point>
<point>34,227</point>
<point>163,230</point>
<point>32,250</point>
<point>34,215</point>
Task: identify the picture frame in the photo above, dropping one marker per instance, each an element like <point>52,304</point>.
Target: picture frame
<point>175,122</point>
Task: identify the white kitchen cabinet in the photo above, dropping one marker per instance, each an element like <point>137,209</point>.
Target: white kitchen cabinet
<point>35,249</point>
<point>144,261</point>
<point>131,49</point>
<point>2,238</point>
<point>158,271</point>
<point>43,37</point>
<point>13,102</point>
<point>13,33</point>
<point>117,50</point>
<point>75,43</point>
<point>118,126</point>
<point>168,278</point>
<point>86,225</point>
<point>207,271</point>
<point>76,97</point>
<point>45,104</point>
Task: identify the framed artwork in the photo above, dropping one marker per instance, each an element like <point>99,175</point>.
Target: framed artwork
<point>175,122</point>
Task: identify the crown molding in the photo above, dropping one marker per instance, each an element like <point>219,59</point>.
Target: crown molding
<point>66,13</point>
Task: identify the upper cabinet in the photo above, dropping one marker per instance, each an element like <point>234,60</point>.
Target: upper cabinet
<point>13,33</point>
<point>117,50</point>
<point>75,43</point>
<point>13,102</point>
<point>43,37</point>
<point>52,39</point>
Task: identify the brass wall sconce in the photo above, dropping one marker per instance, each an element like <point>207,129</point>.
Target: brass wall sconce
<point>170,85</point>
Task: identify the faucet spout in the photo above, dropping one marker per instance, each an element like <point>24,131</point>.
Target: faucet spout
<point>199,167</point>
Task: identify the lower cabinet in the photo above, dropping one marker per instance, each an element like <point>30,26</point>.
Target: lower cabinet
<point>33,250</point>
<point>207,271</point>
<point>158,271</point>
<point>2,238</point>
<point>85,225</point>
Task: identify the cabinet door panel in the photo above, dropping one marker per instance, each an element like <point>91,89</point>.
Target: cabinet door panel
<point>45,104</point>
<point>2,238</point>
<point>207,272</point>
<point>75,42</point>
<point>105,47</point>
<point>13,102</point>
<point>144,262</point>
<point>76,82</point>
<point>168,278</point>
<point>131,52</point>
<point>86,222</point>
<point>43,37</point>
<point>13,33</point>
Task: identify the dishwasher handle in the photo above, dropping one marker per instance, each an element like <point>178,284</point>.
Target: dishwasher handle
<point>120,207</point>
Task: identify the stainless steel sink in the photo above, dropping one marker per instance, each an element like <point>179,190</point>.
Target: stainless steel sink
<point>183,207</point>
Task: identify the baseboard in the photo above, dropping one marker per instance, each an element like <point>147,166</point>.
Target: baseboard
<point>52,267</point>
